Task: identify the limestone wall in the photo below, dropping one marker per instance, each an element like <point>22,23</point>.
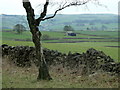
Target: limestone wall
<point>91,61</point>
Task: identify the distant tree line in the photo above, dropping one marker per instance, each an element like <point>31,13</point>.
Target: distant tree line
<point>103,27</point>
<point>96,21</point>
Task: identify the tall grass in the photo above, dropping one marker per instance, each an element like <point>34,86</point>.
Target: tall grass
<point>16,77</point>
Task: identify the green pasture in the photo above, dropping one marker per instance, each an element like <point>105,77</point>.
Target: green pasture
<point>12,35</point>
<point>74,47</point>
<point>101,33</point>
<point>60,35</point>
<point>27,34</point>
<point>80,40</point>
<point>82,47</point>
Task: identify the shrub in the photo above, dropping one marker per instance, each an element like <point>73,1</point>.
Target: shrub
<point>45,37</point>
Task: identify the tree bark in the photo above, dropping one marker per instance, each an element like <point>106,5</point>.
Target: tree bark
<point>36,37</point>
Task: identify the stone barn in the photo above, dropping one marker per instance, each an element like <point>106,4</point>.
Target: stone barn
<point>70,33</point>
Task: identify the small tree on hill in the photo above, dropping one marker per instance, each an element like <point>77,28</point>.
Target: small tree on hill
<point>19,28</point>
<point>103,27</point>
<point>68,28</point>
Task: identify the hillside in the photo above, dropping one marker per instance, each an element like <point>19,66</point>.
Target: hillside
<point>77,21</point>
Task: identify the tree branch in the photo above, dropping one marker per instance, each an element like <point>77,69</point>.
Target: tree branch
<point>65,6</point>
<point>43,14</point>
<point>30,13</point>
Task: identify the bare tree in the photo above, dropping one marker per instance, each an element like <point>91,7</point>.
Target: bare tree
<point>36,34</point>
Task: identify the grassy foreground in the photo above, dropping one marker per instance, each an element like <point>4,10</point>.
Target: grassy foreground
<point>16,77</point>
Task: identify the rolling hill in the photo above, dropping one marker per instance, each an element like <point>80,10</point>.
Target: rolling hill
<point>77,21</point>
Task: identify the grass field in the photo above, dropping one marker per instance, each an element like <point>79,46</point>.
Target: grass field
<point>100,33</point>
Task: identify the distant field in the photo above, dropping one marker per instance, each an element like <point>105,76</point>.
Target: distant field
<point>100,33</point>
<point>100,40</point>
<point>89,35</point>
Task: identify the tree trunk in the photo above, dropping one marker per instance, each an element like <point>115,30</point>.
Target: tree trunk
<point>36,37</point>
<point>43,69</point>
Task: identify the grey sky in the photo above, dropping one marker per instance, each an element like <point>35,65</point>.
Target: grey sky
<point>15,7</point>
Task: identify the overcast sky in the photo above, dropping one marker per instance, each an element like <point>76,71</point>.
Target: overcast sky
<point>16,7</point>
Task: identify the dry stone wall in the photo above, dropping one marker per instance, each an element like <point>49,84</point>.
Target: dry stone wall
<point>91,61</point>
